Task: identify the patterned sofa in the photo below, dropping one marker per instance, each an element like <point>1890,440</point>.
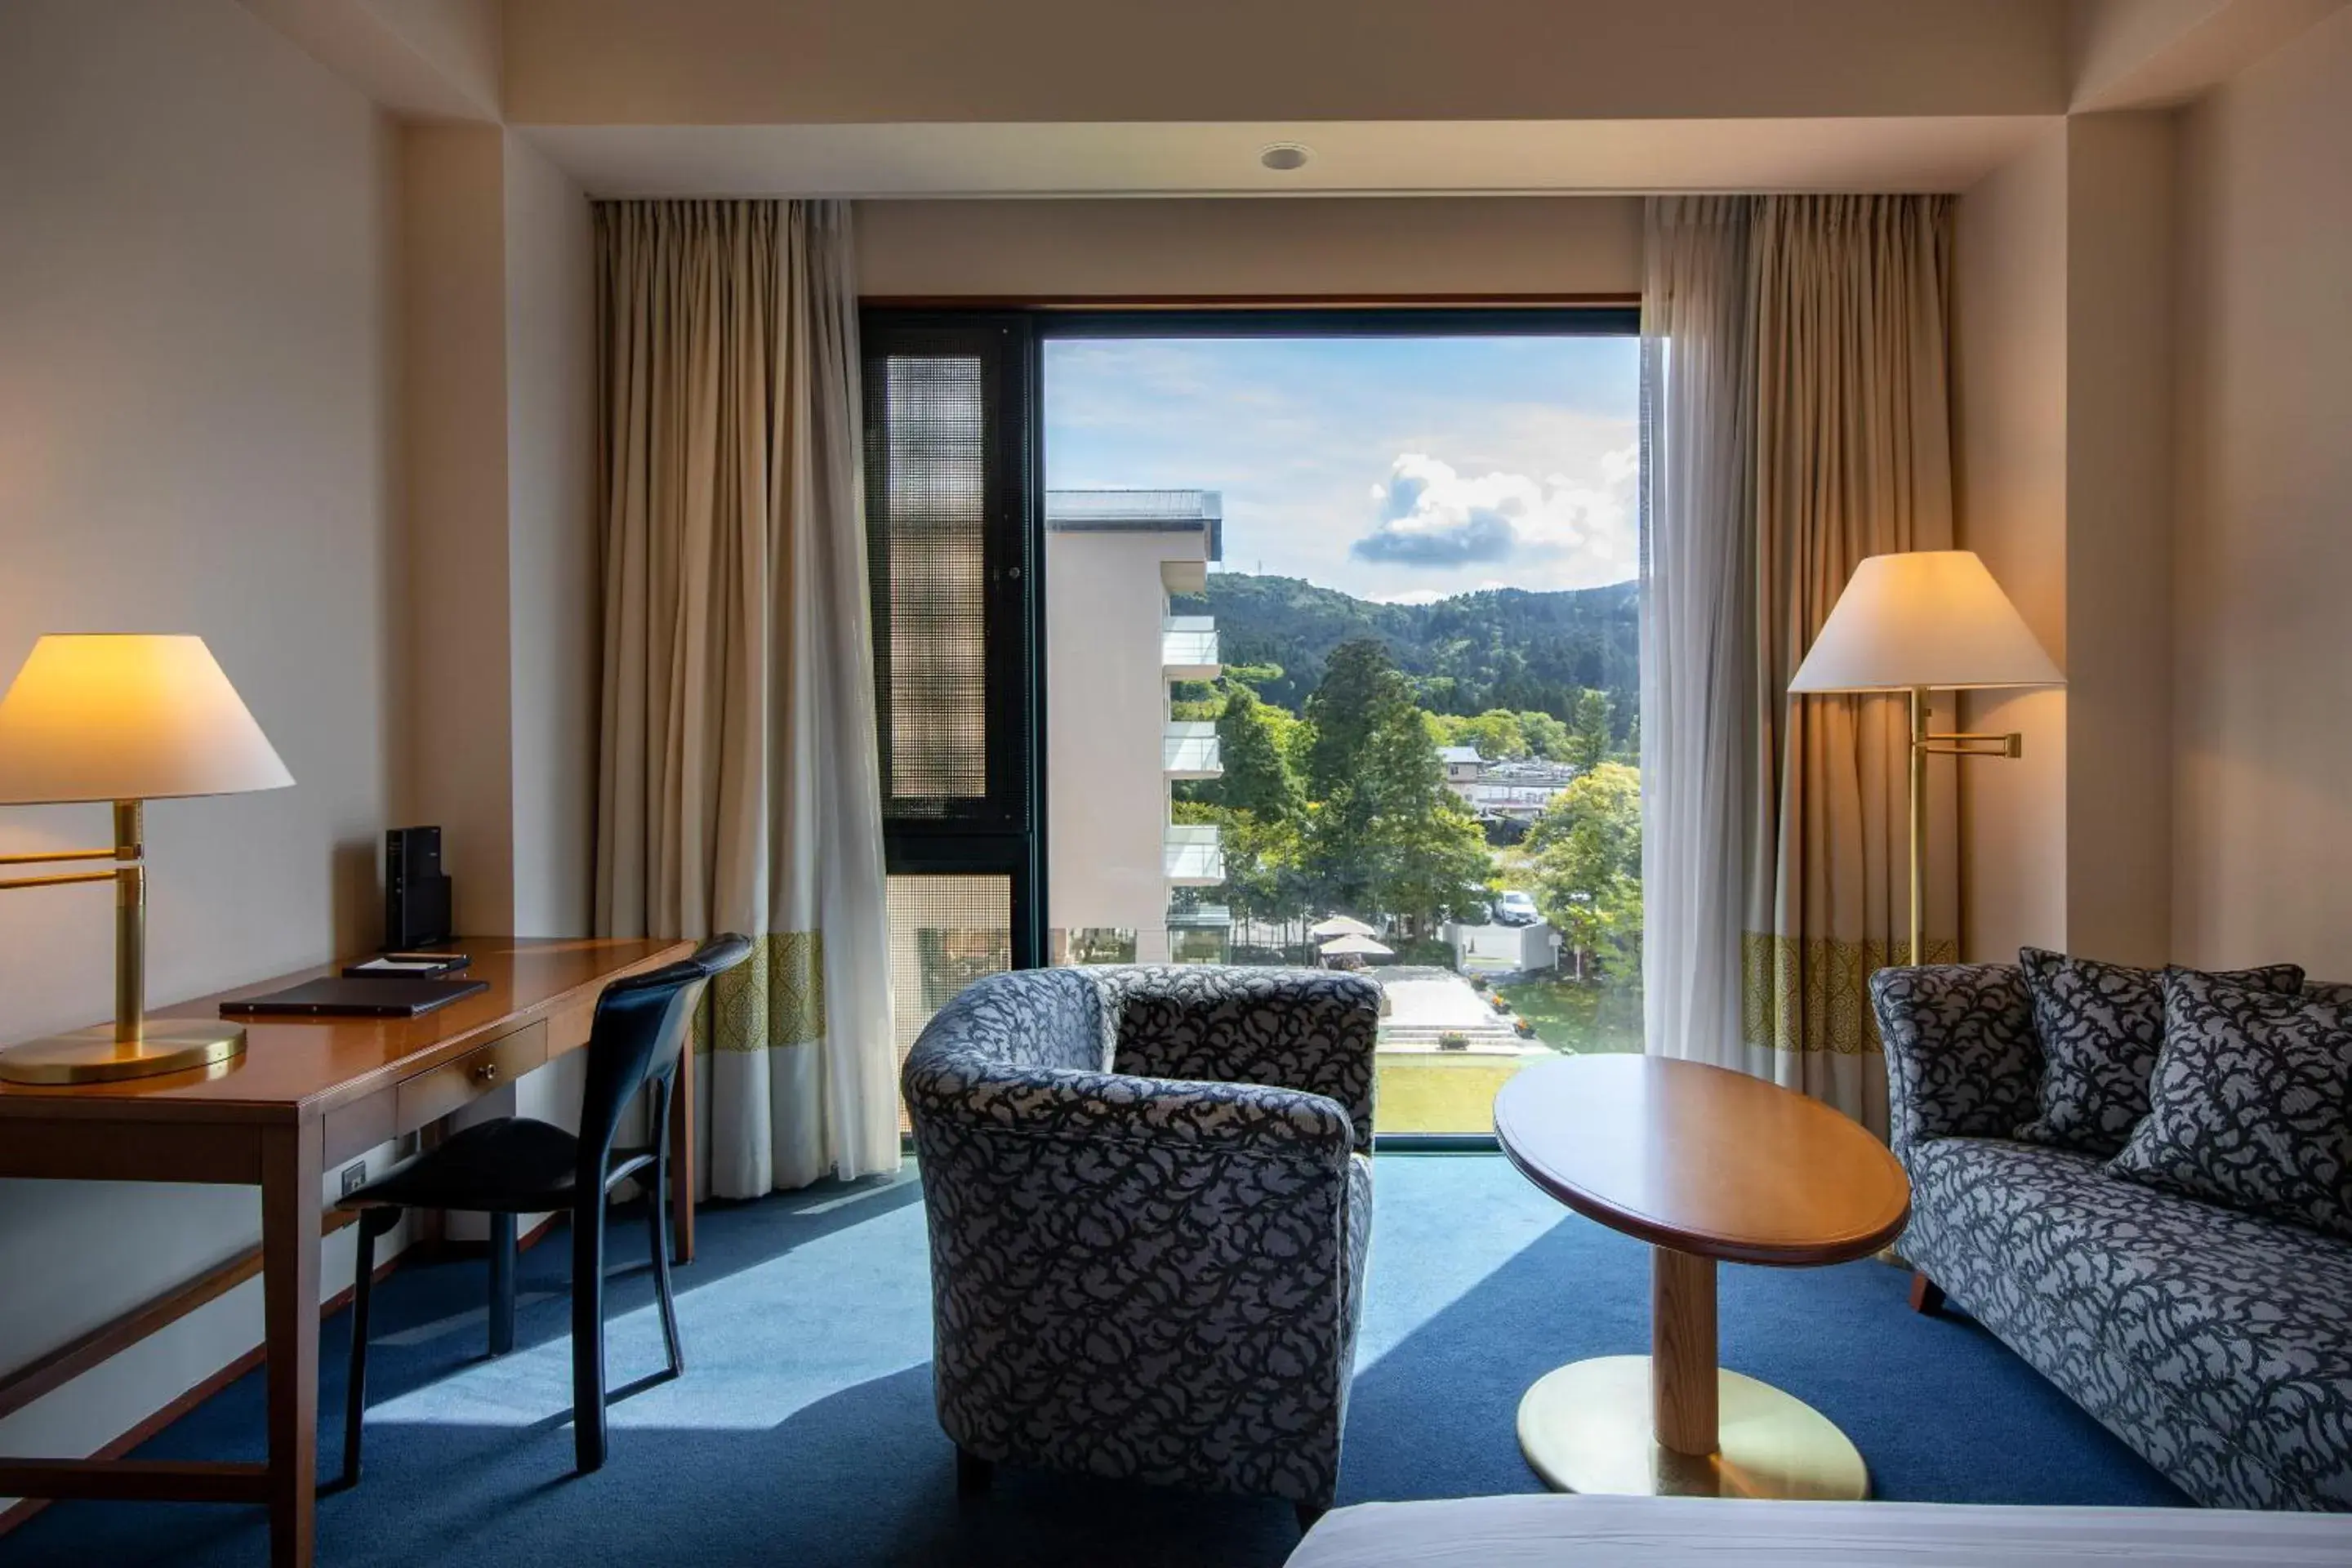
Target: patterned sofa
<point>1149,1197</point>
<point>2217,1344</point>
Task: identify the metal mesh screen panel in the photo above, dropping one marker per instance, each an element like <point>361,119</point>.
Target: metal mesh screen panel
<point>926,421</point>
<point>945,932</point>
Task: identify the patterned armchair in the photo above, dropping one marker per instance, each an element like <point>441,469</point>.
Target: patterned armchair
<point>1149,1197</point>
<point>2214,1342</point>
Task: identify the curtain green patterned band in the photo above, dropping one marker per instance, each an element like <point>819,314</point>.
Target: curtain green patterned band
<point>777,998</point>
<point>1812,993</point>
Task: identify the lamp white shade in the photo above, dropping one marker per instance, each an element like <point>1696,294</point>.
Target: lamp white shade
<point>98,717</point>
<point>1925,618</point>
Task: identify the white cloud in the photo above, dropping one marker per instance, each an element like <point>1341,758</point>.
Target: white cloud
<point>1430,515</point>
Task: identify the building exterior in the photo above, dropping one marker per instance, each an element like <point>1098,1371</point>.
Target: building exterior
<point>1514,791</point>
<point>1113,650</point>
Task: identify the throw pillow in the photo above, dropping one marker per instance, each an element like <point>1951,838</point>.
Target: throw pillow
<point>2251,1105</point>
<point>2100,1027</point>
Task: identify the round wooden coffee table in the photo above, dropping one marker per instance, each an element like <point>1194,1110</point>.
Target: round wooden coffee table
<point>1703,1164</point>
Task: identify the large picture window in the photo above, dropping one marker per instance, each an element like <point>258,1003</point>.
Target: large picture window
<point>1324,650</point>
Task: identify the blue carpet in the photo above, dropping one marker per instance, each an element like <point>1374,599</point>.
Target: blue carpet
<point>802,1431</point>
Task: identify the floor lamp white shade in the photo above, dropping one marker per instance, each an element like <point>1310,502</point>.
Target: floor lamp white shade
<point>1927,620</point>
<point>1930,618</point>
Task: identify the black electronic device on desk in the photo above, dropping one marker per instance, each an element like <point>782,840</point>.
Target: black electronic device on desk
<point>415,891</point>
<point>337,998</point>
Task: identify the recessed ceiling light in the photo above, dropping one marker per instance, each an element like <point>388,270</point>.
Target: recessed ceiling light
<point>1284,156</point>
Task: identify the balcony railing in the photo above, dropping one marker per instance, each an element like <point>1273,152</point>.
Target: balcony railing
<point>1188,647</point>
<point>1189,751</point>
<point>1193,856</point>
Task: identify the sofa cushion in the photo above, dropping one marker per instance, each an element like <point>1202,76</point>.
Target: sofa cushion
<point>2214,1342</point>
<point>2250,1104</point>
<point>2100,1027</point>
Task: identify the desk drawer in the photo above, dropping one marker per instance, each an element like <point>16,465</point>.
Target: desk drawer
<point>430,1096</point>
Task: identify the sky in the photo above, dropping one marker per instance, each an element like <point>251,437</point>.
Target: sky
<point>1398,468</point>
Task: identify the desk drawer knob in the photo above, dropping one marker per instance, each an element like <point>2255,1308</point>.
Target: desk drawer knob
<point>488,1072</point>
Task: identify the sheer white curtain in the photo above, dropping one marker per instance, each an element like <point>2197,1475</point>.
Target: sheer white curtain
<point>1698,663</point>
<point>1795,419</point>
<point>739,781</point>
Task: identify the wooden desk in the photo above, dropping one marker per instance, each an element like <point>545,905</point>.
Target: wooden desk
<point>303,1097</point>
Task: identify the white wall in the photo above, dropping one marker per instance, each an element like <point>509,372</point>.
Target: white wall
<point>2118,536</point>
<point>2065,369</point>
<point>2010,468</point>
<point>458,742</point>
<point>2262,661</point>
<point>198,418</point>
<point>1338,244</point>
<point>502,536</point>
<point>551,542</point>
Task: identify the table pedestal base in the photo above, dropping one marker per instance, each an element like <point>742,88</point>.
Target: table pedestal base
<point>1588,1428</point>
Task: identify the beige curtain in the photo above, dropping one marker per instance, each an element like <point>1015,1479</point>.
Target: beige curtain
<point>1852,432</point>
<point>738,784</point>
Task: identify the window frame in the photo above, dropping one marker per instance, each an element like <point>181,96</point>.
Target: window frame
<point>1017,654</point>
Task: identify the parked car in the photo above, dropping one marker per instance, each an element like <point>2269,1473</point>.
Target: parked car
<point>1516,909</point>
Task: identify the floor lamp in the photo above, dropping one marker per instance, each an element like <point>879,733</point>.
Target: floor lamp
<point>1928,620</point>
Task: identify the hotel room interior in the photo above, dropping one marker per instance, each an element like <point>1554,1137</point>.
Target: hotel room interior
<point>880,1093</point>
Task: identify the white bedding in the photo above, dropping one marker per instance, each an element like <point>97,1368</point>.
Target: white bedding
<point>1570,1532</point>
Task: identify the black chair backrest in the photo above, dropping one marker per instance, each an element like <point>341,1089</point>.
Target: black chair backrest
<point>639,1033</point>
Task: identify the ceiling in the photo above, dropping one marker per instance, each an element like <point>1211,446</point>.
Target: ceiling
<point>1083,98</point>
<point>1454,157</point>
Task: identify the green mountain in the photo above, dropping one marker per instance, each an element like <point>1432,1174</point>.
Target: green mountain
<point>1505,647</point>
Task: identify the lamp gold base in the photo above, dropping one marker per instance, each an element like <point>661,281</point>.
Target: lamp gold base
<point>1588,1428</point>
<point>96,1056</point>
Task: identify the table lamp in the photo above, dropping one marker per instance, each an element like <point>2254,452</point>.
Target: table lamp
<point>126,720</point>
<point>1927,620</point>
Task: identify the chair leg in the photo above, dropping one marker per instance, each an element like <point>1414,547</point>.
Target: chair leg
<point>1927,1296</point>
<point>974,1475</point>
<point>502,1283</point>
<point>588,1332</point>
<point>658,1233</point>
<point>372,1222</point>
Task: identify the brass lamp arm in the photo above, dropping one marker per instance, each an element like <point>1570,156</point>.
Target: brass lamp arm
<point>2012,744</point>
<point>48,857</point>
<point>58,880</point>
<point>129,875</point>
<point>129,845</point>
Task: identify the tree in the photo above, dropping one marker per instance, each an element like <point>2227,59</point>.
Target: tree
<point>1546,737</point>
<point>1497,732</point>
<point>1362,690</point>
<point>1263,877</point>
<point>1385,834</point>
<point>1587,741</point>
<point>1587,854</point>
<point>1431,864</point>
<point>1257,775</point>
<point>1493,648</point>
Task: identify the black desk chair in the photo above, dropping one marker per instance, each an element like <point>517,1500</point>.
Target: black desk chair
<point>515,1165</point>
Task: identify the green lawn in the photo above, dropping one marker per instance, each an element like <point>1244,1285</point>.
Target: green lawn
<point>1585,1019</point>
